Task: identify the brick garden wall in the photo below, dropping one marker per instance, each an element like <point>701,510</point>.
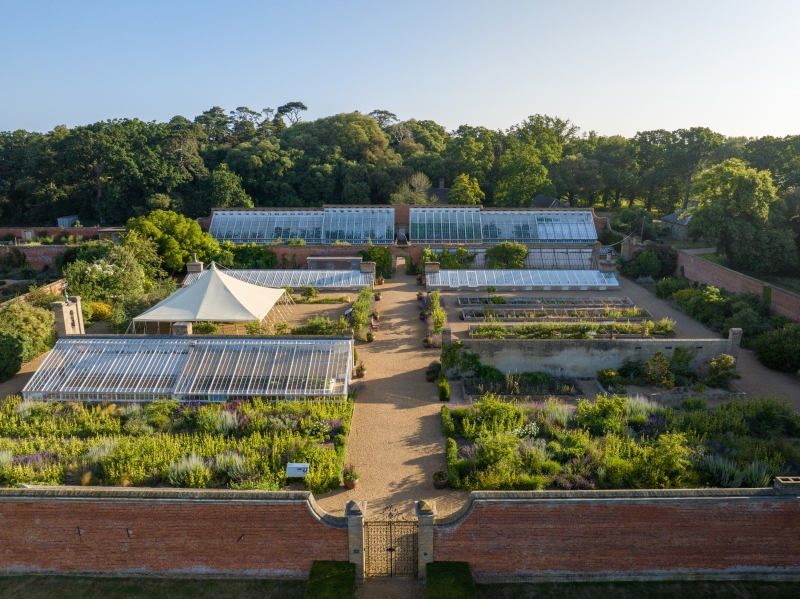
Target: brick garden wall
<point>38,256</point>
<point>231,533</point>
<point>624,534</point>
<point>702,271</point>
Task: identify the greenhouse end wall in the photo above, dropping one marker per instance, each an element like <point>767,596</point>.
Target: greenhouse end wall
<point>166,532</point>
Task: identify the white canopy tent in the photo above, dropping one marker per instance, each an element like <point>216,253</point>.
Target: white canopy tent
<point>217,297</point>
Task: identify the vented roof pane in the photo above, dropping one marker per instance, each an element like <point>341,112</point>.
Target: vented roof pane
<point>203,368</point>
<point>320,279</point>
<point>522,278</point>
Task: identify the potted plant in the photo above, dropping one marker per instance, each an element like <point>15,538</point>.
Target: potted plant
<point>430,375</point>
<point>379,280</point>
<point>377,296</point>
<point>350,476</point>
<point>423,314</point>
<point>440,479</point>
<point>360,370</point>
<point>376,315</point>
<point>420,295</point>
<point>426,342</point>
<point>370,337</point>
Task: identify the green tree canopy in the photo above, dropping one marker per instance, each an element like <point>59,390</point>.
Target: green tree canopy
<point>734,210</point>
<point>176,237</point>
<point>465,190</point>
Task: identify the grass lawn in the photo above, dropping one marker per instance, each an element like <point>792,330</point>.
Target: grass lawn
<point>713,258</point>
<point>680,244</point>
<point>639,590</point>
<point>331,580</point>
<point>85,587</point>
<point>449,580</point>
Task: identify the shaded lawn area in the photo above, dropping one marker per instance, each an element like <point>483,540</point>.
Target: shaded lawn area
<point>740,589</point>
<point>85,587</point>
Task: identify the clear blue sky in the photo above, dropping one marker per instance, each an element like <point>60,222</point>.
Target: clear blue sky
<point>612,66</point>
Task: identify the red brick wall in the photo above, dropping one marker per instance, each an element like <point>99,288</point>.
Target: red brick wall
<point>38,256</point>
<point>87,232</point>
<point>584,538</point>
<point>702,271</point>
<point>279,539</point>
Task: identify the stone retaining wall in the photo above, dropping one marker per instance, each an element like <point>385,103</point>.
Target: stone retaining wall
<point>582,358</point>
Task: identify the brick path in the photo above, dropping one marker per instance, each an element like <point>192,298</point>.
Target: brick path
<point>396,441</point>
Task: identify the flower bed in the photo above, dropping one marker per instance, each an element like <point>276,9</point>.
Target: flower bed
<point>571,330</point>
<point>619,443</point>
<point>242,444</point>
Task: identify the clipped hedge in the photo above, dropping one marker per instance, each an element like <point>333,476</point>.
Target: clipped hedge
<point>449,580</point>
<point>331,580</point>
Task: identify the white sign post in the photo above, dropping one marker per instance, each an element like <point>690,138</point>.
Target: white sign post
<point>296,470</point>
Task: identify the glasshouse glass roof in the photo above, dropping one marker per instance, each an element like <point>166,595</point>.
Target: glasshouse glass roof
<point>472,225</point>
<point>319,279</point>
<point>353,225</point>
<point>134,368</point>
<point>523,279</point>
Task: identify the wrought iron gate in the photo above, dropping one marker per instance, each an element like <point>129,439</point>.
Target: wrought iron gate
<point>390,546</point>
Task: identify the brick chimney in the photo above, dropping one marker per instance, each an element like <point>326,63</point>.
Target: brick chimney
<point>195,265</point>
<point>69,317</point>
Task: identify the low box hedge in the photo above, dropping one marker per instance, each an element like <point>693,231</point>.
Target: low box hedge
<point>331,580</point>
<point>449,580</point>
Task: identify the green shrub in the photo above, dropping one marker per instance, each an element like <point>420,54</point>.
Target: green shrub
<point>506,254</point>
<point>12,348</point>
<point>632,368</point>
<point>31,324</point>
<point>667,286</point>
<point>657,372</point>
<point>100,311</point>
<point>362,308</point>
<point>309,293</point>
<point>190,472</point>
<point>448,426</point>
<point>443,388</point>
<point>438,317</point>
<point>608,377</point>
<point>721,370</point>
<point>205,328</point>
<point>780,349</point>
<point>692,404</point>
<point>606,415</point>
<point>319,325</point>
<point>382,257</point>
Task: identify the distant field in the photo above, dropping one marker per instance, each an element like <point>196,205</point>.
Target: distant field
<point>643,590</point>
<point>84,587</point>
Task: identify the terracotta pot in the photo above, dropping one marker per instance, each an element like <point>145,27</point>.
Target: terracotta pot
<point>360,375</point>
<point>351,484</point>
<point>440,484</point>
<point>370,339</point>
<point>426,345</point>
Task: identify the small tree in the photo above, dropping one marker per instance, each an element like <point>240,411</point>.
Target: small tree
<point>507,254</point>
<point>721,370</point>
<point>657,372</point>
<point>309,293</point>
<point>465,190</point>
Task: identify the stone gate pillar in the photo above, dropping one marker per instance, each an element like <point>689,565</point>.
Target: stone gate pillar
<point>426,513</point>
<point>355,512</point>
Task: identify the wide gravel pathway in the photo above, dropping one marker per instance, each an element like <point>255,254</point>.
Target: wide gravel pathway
<point>396,441</point>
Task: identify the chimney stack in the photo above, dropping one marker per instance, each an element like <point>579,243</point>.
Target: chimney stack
<point>194,265</point>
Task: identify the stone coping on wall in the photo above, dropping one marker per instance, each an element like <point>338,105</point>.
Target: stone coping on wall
<point>170,495</point>
<point>615,496</point>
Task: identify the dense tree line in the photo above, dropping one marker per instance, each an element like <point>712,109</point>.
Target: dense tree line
<point>110,171</point>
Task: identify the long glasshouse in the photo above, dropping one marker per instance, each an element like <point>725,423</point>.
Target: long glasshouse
<point>431,225</point>
<point>523,280</point>
<point>350,225</point>
<point>141,369</point>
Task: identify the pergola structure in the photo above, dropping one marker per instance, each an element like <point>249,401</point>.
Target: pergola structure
<point>220,298</point>
<point>139,369</point>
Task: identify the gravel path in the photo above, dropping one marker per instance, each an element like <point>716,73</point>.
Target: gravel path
<point>396,441</point>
